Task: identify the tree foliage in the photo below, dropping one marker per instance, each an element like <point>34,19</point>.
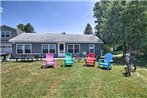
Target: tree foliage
<point>123,23</point>
<point>88,29</point>
<point>28,28</point>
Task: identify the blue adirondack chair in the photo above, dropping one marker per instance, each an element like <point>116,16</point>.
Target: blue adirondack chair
<point>68,59</point>
<point>106,62</point>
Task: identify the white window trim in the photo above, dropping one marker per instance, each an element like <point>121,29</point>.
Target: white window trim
<point>42,48</point>
<point>74,47</point>
<point>54,45</point>
<point>91,48</point>
<point>48,45</point>
<point>68,45</point>
<point>23,48</point>
<point>5,34</point>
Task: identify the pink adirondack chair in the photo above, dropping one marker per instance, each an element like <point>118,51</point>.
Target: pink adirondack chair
<point>50,61</point>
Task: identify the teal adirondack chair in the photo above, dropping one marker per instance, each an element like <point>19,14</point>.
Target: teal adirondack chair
<point>68,59</point>
<point>106,62</point>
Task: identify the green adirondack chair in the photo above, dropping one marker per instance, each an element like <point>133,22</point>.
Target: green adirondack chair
<point>68,59</point>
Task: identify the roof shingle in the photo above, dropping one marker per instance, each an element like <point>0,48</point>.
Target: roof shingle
<point>55,38</point>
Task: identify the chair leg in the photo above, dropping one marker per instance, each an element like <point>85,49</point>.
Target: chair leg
<point>98,65</point>
<point>94,65</point>
<point>107,67</point>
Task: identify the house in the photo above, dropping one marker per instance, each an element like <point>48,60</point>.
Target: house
<point>59,44</point>
<point>6,34</point>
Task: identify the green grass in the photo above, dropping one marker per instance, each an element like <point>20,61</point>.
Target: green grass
<point>28,80</point>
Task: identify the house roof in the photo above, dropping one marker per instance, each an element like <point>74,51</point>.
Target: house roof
<point>17,30</point>
<point>55,38</point>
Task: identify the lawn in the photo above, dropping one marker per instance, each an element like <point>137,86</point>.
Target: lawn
<point>28,80</point>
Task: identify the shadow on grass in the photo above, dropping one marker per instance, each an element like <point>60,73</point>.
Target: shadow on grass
<point>125,74</point>
<point>88,65</point>
<point>43,67</point>
<point>66,65</point>
<point>26,61</point>
<point>104,68</point>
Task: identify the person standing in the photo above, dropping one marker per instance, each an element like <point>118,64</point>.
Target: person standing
<point>128,65</point>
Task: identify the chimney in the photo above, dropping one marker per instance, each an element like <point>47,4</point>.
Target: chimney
<point>63,33</point>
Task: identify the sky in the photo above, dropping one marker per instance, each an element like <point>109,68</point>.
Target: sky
<point>49,16</point>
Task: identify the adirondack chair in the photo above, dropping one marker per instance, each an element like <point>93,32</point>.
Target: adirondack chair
<point>50,61</point>
<point>91,59</point>
<point>68,59</point>
<point>106,62</point>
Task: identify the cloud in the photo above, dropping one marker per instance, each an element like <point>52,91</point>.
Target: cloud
<point>1,10</point>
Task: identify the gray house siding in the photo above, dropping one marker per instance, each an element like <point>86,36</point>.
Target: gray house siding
<point>6,46</point>
<point>36,49</point>
<point>12,31</point>
<point>84,47</point>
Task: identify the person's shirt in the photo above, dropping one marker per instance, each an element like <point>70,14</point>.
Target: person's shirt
<point>127,60</point>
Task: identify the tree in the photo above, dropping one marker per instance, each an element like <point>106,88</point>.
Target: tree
<point>20,27</point>
<point>28,28</point>
<point>88,29</point>
<point>134,17</point>
<point>100,10</point>
<point>113,28</point>
<point>123,23</point>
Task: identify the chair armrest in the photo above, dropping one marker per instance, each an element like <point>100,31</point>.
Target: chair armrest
<point>111,60</point>
<point>101,60</point>
<point>95,60</point>
<point>54,59</point>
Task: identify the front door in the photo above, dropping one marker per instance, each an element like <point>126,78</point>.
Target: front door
<point>61,49</point>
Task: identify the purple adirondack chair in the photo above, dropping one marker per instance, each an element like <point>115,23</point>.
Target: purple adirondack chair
<point>50,61</point>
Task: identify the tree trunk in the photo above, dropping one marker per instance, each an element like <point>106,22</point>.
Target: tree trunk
<point>124,49</point>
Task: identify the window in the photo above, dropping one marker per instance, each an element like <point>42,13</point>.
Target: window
<point>5,34</point>
<point>61,47</point>
<point>23,48</point>
<point>73,48</point>
<point>19,48</point>
<point>52,48</point>
<point>5,46</point>
<point>76,48</point>
<point>91,48</point>
<point>70,48</point>
<point>2,34</point>
<point>45,48</point>
<point>27,48</point>
<point>9,47</point>
<point>48,48</point>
